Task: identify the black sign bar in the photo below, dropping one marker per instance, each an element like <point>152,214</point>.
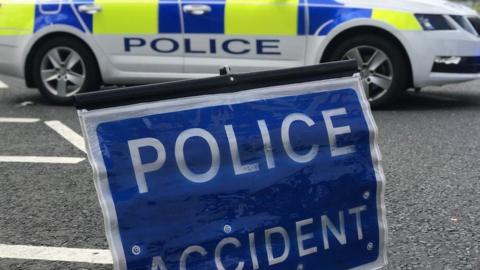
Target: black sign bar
<point>228,83</point>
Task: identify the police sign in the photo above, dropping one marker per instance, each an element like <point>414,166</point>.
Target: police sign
<point>284,176</point>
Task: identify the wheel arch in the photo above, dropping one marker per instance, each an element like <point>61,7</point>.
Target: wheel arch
<point>346,33</point>
<point>28,66</point>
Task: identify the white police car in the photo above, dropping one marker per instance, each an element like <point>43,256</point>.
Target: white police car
<point>64,47</point>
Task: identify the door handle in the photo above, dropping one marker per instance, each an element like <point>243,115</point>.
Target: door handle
<point>197,9</point>
<point>89,9</point>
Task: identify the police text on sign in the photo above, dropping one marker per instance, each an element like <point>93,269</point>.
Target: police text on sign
<point>238,168</point>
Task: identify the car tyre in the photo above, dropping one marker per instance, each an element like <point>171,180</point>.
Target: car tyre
<point>63,67</point>
<point>382,63</point>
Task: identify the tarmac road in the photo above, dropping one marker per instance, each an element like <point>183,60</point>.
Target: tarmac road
<point>429,141</point>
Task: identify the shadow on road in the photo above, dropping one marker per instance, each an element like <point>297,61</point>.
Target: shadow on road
<point>411,101</point>
<point>31,98</point>
<point>436,100</point>
<point>454,97</point>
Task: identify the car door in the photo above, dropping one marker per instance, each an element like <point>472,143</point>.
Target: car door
<point>142,39</point>
<point>247,35</point>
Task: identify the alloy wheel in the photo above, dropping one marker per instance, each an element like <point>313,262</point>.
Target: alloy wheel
<point>62,71</point>
<point>376,69</point>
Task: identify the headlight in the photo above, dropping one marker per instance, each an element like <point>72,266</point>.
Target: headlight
<point>470,24</point>
<point>430,22</point>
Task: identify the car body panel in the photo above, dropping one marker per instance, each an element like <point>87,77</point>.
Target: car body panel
<point>414,6</point>
<point>150,41</point>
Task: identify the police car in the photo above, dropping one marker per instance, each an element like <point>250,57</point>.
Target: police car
<point>63,47</point>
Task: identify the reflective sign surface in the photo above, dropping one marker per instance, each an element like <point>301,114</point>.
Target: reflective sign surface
<point>278,178</point>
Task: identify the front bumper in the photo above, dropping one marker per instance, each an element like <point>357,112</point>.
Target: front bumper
<point>424,47</point>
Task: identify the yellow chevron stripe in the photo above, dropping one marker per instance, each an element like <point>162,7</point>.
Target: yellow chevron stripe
<point>126,17</point>
<point>17,17</point>
<point>261,17</point>
<point>398,19</point>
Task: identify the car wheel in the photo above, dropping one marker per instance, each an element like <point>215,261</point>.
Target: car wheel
<point>63,67</point>
<point>383,67</point>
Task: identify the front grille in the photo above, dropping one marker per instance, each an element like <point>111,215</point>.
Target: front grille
<point>475,21</point>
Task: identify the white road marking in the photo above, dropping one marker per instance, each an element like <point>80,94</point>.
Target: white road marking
<point>34,159</point>
<point>68,134</point>
<point>94,256</point>
<point>3,85</point>
<point>18,120</point>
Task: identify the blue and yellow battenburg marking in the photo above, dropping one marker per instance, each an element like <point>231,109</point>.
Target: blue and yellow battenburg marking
<point>229,17</point>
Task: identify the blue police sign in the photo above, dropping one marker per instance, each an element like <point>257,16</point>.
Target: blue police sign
<point>282,177</point>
